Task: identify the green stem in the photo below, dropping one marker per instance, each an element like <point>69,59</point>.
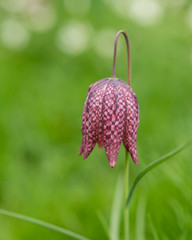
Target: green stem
<point>128,56</point>
<point>126,191</point>
<point>153,165</point>
<point>43,224</point>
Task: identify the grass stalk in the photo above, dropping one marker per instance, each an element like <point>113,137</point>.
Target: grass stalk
<point>126,191</point>
<point>42,223</point>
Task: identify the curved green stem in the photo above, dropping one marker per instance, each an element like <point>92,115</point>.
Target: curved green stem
<point>128,55</point>
<point>43,224</point>
<point>152,166</point>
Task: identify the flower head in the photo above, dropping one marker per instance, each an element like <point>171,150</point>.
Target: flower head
<point>110,116</point>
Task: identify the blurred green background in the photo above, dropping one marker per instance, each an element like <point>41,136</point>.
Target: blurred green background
<point>50,52</point>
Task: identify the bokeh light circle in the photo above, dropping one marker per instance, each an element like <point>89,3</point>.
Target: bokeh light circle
<point>189,18</point>
<point>74,37</point>
<point>14,34</point>
<point>145,12</point>
<point>104,42</point>
<point>13,5</point>
<point>41,17</point>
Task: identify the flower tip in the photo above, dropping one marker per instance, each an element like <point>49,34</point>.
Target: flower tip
<point>81,149</point>
<point>79,153</point>
<point>84,158</point>
<point>136,161</point>
<point>100,144</point>
<point>112,164</point>
<point>134,157</point>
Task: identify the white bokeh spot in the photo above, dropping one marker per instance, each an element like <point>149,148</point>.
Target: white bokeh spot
<point>13,5</point>
<point>74,38</point>
<point>120,7</point>
<point>145,12</point>
<point>42,17</point>
<point>104,42</point>
<point>14,35</point>
<point>175,3</point>
<point>189,18</point>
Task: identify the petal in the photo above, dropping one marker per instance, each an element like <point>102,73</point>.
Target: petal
<point>92,116</point>
<point>100,134</point>
<point>81,150</point>
<point>100,126</point>
<point>132,121</point>
<point>113,118</point>
<point>83,127</point>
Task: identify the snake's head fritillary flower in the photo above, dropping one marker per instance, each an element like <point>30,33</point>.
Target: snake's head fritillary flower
<point>111,115</point>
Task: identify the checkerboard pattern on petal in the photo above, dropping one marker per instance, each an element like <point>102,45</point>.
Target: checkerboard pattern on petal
<point>110,116</point>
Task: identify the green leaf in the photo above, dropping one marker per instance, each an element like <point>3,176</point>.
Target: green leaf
<point>43,224</point>
<point>152,166</point>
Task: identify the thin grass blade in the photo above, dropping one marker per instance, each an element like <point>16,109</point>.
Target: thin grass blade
<point>140,217</point>
<point>103,223</point>
<point>43,224</point>
<point>153,165</point>
<point>153,230</point>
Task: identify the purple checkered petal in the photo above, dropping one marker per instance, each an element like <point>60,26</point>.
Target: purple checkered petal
<point>83,127</point>
<point>110,116</point>
<point>113,118</point>
<point>92,117</point>
<point>132,121</point>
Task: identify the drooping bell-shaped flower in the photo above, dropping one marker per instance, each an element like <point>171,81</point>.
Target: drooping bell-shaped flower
<point>111,115</point>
